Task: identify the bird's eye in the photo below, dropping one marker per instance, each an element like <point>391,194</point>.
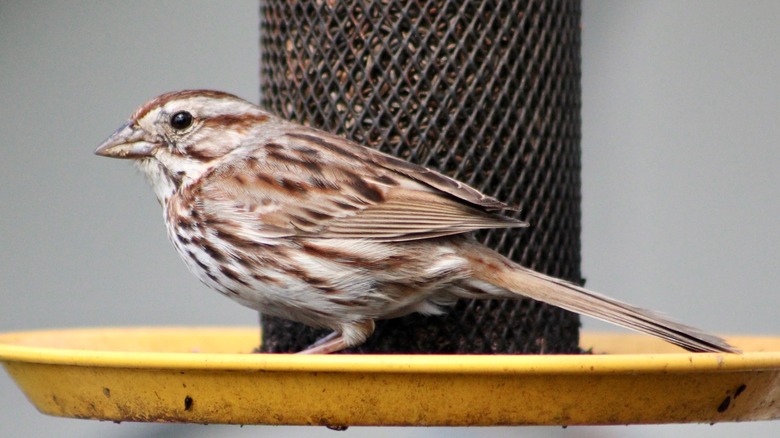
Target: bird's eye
<point>181,120</point>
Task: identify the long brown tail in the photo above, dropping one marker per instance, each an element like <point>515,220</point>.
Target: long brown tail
<point>499,271</point>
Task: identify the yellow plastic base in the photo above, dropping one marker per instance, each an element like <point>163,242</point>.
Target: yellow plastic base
<point>203,375</point>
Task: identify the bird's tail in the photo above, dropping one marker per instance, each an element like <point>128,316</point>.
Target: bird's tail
<point>499,271</point>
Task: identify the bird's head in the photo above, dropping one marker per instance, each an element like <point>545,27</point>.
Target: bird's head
<point>177,137</point>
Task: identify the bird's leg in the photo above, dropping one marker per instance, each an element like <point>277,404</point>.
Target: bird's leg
<point>328,344</point>
<point>349,336</point>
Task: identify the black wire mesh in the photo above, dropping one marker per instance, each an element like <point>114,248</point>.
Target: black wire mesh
<point>485,91</point>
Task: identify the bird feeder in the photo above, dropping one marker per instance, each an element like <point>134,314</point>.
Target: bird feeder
<point>486,92</point>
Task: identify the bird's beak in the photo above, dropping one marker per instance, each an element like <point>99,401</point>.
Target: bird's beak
<point>129,141</point>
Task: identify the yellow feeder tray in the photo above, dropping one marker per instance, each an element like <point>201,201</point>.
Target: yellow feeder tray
<point>203,375</point>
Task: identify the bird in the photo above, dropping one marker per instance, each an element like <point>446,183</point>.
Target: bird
<point>308,226</point>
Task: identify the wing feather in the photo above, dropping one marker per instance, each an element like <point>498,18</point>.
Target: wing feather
<point>314,184</point>
<point>436,180</point>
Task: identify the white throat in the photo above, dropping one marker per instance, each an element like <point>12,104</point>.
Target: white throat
<point>162,181</point>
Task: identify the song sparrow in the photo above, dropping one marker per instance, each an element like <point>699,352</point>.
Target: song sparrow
<point>307,226</point>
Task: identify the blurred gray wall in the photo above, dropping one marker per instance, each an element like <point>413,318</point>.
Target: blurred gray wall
<point>680,178</point>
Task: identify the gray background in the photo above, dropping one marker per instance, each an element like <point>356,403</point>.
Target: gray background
<point>680,176</point>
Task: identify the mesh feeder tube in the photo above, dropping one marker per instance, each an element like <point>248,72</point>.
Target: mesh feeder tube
<point>487,92</point>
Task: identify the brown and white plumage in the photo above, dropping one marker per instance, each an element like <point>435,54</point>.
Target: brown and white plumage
<point>305,225</point>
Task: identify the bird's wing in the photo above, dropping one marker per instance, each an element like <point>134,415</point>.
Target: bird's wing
<point>309,183</point>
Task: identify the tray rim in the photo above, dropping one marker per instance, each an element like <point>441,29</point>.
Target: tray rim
<point>662,362</point>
